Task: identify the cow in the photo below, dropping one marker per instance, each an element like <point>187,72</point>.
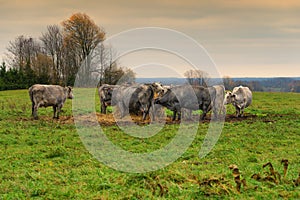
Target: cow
<point>217,103</point>
<point>49,95</point>
<point>105,93</point>
<point>135,98</point>
<point>240,98</point>
<point>157,110</point>
<point>185,96</point>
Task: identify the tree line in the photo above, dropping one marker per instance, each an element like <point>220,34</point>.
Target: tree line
<point>60,54</point>
<point>198,77</point>
<point>265,85</point>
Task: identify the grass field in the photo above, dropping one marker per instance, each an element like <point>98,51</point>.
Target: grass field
<point>46,159</point>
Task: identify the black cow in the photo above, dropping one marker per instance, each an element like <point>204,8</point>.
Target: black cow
<point>186,96</point>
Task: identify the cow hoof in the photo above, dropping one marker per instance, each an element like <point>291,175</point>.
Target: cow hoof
<point>35,118</point>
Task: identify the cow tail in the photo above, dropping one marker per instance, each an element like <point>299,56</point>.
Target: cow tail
<point>32,100</point>
<point>31,94</point>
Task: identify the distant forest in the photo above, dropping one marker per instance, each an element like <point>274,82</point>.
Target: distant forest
<point>283,84</point>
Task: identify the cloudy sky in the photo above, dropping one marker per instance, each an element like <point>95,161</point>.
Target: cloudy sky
<point>244,38</point>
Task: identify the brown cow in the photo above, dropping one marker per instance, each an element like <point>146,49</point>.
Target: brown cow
<point>49,95</point>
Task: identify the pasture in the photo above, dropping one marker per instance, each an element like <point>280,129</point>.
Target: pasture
<point>46,159</point>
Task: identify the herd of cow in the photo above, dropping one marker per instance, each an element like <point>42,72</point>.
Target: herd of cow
<point>149,99</point>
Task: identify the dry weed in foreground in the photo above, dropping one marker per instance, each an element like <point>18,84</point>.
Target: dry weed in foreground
<point>285,163</point>
<point>237,177</point>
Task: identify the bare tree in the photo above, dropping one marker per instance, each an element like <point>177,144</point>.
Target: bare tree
<point>103,58</point>
<point>229,84</point>
<point>197,77</point>
<point>108,68</point>
<point>118,75</point>
<point>53,45</point>
<point>71,63</point>
<point>21,52</point>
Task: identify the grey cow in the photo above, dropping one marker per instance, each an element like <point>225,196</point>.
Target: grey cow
<point>240,98</point>
<point>105,94</point>
<point>49,95</point>
<point>135,98</point>
<point>185,96</point>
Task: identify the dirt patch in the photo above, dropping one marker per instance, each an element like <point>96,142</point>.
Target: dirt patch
<point>233,118</point>
<point>109,119</point>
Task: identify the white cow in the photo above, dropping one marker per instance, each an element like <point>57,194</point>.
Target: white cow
<point>240,98</point>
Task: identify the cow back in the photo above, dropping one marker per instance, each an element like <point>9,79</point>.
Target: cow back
<point>242,94</point>
<point>48,95</point>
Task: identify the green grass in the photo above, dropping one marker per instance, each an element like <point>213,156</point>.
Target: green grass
<point>45,158</point>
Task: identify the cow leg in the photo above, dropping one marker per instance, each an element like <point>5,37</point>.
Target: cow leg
<point>242,112</point>
<point>54,112</point>
<point>102,108</point>
<point>152,112</point>
<point>32,109</point>
<point>58,110</point>
<point>202,117</point>
<point>237,111</point>
<point>204,109</point>
<point>145,113</point>
<point>174,115</point>
<point>179,115</point>
<point>35,109</point>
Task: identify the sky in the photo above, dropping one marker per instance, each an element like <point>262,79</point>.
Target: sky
<point>243,38</point>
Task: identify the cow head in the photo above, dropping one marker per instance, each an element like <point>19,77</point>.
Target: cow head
<point>69,92</point>
<point>228,98</point>
<point>107,94</point>
<point>166,98</point>
<point>158,88</point>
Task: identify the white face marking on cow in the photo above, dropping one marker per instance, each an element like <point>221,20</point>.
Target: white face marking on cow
<point>158,86</point>
<point>227,98</point>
